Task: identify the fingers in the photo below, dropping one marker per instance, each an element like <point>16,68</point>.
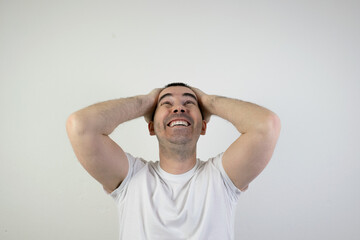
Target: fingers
<point>202,102</point>
<point>197,91</point>
<point>155,92</point>
<point>153,95</point>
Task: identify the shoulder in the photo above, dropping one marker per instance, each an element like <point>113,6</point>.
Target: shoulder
<point>217,159</point>
<point>135,161</point>
<point>210,166</point>
<point>136,164</point>
<point>212,172</point>
<point>213,162</point>
<point>217,164</point>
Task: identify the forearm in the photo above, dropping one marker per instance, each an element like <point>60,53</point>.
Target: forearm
<point>104,117</point>
<point>245,116</point>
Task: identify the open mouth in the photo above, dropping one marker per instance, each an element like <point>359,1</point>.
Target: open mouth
<point>175,123</point>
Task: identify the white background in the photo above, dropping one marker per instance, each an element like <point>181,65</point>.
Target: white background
<point>300,59</point>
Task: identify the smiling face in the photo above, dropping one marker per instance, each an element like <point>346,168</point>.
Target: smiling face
<point>177,118</point>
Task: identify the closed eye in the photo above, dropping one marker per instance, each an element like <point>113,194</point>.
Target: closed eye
<point>189,102</point>
<point>166,103</point>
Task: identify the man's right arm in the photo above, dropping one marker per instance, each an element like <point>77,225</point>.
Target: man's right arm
<point>89,129</point>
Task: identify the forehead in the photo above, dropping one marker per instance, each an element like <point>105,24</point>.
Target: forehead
<point>176,91</point>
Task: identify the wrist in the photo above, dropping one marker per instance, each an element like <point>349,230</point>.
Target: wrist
<point>208,102</point>
<point>149,103</point>
<point>206,106</point>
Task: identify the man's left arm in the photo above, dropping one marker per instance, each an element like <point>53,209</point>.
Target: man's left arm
<point>245,159</point>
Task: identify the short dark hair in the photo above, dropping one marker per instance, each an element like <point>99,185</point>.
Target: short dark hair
<point>177,84</point>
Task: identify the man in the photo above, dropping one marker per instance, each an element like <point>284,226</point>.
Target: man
<point>180,196</point>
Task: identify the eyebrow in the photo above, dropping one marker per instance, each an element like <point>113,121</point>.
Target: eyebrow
<point>184,94</point>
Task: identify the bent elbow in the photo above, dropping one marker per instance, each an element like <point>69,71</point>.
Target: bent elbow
<point>272,125</point>
<point>74,125</point>
<point>275,122</point>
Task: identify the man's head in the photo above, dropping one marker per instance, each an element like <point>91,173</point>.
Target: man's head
<point>177,118</point>
<point>178,84</point>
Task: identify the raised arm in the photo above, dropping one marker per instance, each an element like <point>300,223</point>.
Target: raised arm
<point>245,159</point>
<point>88,130</point>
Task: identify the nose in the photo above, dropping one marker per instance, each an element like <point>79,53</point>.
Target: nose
<point>178,109</point>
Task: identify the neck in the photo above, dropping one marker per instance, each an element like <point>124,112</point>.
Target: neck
<point>177,159</point>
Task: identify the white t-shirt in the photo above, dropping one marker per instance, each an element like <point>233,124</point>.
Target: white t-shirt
<point>198,204</point>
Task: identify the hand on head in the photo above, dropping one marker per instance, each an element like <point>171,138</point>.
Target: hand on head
<point>153,95</point>
<point>201,96</point>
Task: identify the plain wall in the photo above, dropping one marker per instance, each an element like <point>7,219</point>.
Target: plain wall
<point>299,59</point>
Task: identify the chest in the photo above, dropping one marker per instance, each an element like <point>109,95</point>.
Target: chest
<point>181,208</point>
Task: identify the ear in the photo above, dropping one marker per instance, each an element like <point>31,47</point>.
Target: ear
<point>151,128</point>
<point>203,129</point>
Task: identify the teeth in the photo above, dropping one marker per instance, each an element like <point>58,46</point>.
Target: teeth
<point>179,123</point>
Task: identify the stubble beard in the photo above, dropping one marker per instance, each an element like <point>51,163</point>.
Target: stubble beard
<point>180,149</point>
<point>182,145</point>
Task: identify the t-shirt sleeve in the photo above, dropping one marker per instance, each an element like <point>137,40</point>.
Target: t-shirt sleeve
<point>135,164</point>
<point>231,189</point>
